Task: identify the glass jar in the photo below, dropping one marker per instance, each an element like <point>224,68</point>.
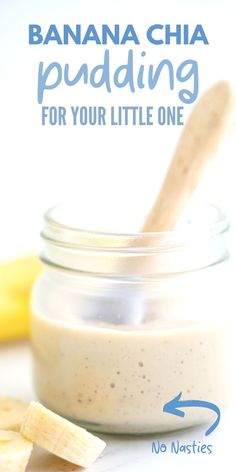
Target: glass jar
<point>122,323</point>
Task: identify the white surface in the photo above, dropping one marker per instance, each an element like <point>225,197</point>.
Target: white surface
<point>123,453</point>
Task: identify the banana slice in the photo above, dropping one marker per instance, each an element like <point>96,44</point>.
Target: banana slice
<point>60,436</point>
<point>11,413</point>
<point>15,452</point>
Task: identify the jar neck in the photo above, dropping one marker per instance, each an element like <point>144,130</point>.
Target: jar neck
<point>191,247</point>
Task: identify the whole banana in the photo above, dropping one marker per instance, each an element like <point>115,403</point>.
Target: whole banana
<point>16,279</point>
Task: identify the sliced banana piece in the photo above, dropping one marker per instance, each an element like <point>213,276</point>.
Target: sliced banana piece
<point>61,437</point>
<point>11,413</point>
<point>15,452</point>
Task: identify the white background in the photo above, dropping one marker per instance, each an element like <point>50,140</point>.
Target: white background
<point>113,173</point>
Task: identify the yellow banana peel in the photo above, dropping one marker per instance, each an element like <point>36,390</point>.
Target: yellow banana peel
<point>16,279</point>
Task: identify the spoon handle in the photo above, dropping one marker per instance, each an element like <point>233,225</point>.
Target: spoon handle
<point>197,146</point>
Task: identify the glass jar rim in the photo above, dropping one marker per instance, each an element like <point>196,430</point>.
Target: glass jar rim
<point>146,255</point>
<point>68,236</point>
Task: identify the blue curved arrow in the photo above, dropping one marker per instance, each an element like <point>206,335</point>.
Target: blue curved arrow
<point>173,406</point>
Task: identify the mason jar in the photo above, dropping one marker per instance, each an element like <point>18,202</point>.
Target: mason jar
<point>124,323</point>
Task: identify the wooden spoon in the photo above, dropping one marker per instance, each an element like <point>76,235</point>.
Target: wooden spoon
<point>197,146</point>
